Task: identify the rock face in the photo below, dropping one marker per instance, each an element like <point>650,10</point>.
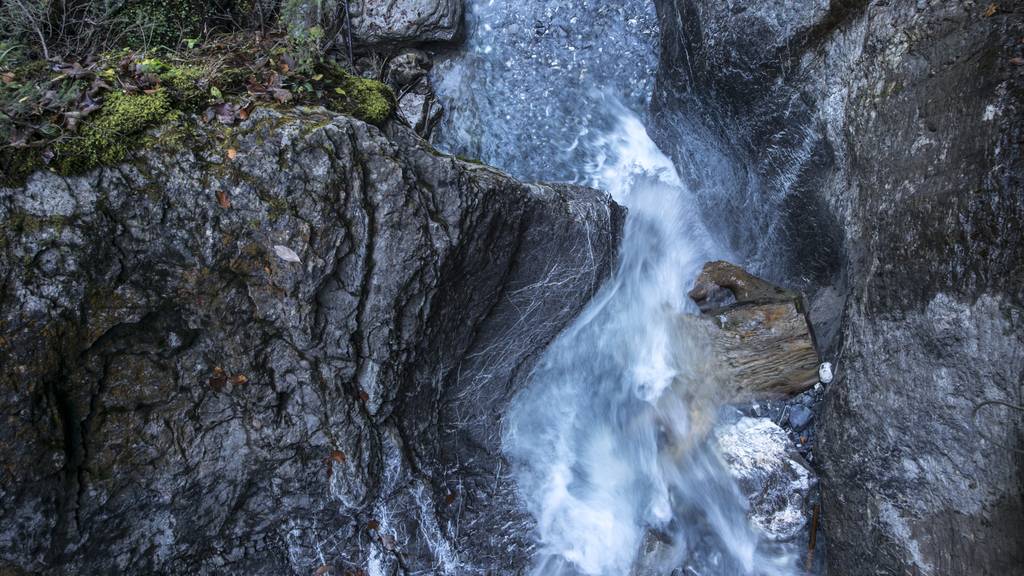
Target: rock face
<point>378,23</point>
<point>287,357</point>
<point>879,143</point>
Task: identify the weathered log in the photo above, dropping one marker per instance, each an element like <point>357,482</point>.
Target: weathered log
<point>759,333</point>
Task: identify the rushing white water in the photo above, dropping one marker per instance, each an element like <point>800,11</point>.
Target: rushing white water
<point>607,442</point>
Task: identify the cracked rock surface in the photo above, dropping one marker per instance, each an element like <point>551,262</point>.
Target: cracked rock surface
<point>180,395</point>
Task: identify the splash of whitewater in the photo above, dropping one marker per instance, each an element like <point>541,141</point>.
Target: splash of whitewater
<point>607,442</point>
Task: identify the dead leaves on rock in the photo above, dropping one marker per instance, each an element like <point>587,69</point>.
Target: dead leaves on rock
<point>335,457</point>
<point>223,200</point>
<point>228,113</point>
<point>991,10</point>
<point>220,378</point>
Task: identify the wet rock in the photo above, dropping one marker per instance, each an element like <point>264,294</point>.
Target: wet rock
<point>770,473</point>
<point>307,377</point>
<point>891,207</point>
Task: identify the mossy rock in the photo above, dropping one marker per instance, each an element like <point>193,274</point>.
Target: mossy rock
<point>109,137</point>
<point>366,99</point>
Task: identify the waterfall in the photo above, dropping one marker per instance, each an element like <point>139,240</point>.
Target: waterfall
<point>607,442</point>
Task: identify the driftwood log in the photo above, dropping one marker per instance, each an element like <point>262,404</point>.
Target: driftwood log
<point>759,333</point>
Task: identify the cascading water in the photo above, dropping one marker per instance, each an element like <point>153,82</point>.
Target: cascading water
<point>607,442</point>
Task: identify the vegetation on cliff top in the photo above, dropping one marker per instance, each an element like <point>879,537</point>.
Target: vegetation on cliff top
<point>73,109</point>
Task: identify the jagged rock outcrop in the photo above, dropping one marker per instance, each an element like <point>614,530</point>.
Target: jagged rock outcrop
<point>879,144</point>
<point>277,349</point>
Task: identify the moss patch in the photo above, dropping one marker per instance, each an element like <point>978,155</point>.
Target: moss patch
<point>186,85</point>
<point>109,137</point>
<point>368,100</point>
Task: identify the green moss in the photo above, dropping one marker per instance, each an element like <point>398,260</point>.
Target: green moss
<point>368,100</point>
<point>278,208</point>
<point>17,164</point>
<point>185,85</point>
<point>108,138</point>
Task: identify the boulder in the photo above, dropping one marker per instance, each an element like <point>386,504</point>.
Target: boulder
<point>392,23</point>
<point>283,359</point>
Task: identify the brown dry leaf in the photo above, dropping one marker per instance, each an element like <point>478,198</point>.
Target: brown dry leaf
<point>232,153</point>
<point>223,200</point>
<point>991,10</point>
<point>449,498</point>
<point>7,77</point>
<point>364,396</point>
<point>338,456</point>
<point>372,525</point>
<point>240,379</point>
<point>1017,61</point>
<point>281,95</point>
<point>219,378</point>
<point>325,569</point>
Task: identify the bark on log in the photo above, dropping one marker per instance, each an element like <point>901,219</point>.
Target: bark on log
<point>759,332</point>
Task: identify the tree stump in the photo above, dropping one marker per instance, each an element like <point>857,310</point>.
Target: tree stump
<point>759,333</point>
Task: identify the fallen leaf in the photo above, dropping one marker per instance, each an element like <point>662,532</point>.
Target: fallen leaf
<point>240,379</point>
<point>991,10</point>
<point>372,525</point>
<point>1017,61</point>
<point>7,77</point>
<point>338,456</point>
<point>223,200</point>
<point>219,378</point>
<point>449,498</point>
<point>364,396</point>
<point>232,153</point>
<point>285,253</point>
<point>281,95</point>
<point>325,569</point>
